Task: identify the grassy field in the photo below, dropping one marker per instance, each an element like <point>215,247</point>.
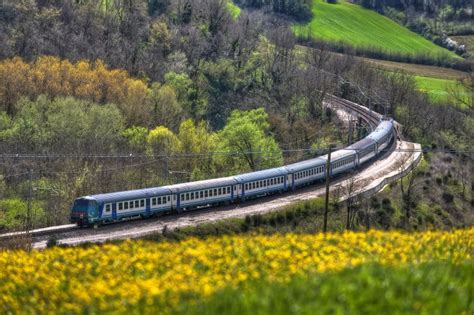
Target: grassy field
<point>354,25</point>
<point>435,288</point>
<point>336,272</point>
<point>438,89</point>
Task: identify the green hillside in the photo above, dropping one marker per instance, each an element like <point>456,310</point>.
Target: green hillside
<point>438,89</point>
<point>351,24</point>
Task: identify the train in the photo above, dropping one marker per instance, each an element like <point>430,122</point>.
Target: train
<point>109,207</point>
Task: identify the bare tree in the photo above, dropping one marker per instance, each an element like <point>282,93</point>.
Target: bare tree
<point>462,93</point>
<point>407,187</point>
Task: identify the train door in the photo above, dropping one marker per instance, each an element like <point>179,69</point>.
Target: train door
<point>148,206</point>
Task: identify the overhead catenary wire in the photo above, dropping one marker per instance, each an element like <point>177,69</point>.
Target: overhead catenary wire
<point>193,155</point>
<point>161,158</point>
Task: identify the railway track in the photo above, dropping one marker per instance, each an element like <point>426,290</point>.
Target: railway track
<point>371,118</point>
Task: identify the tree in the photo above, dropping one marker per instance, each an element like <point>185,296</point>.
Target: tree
<point>247,143</point>
<point>197,141</point>
<point>136,138</point>
<point>167,111</point>
<point>162,141</point>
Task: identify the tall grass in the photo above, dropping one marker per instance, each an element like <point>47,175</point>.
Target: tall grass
<point>433,288</point>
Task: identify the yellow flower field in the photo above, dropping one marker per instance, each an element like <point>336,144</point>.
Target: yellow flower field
<point>116,276</point>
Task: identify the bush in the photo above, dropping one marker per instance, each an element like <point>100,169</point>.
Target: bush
<point>447,197</point>
<point>52,241</point>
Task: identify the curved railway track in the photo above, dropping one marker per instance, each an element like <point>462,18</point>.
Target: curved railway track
<point>40,236</point>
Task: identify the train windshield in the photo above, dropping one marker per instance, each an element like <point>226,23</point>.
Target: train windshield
<point>83,205</point>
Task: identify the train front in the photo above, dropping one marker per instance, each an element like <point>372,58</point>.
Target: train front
<point>84,211</point>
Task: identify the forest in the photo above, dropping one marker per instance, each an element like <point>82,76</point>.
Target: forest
<point>99,96</point>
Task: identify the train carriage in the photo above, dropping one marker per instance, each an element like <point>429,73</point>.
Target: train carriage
<point>342,161</point>
<point>365,149</point>
<point>306,172</point>
<point>119,205</point>
<point>382,135</point>
<point>202,193</point>
<point>262,182</point>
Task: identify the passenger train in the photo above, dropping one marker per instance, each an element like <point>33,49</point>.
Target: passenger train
<point>102,208</point>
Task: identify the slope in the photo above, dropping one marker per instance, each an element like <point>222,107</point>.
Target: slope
<point>362,28</point>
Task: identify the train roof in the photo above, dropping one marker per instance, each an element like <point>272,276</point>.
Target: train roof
<point>307,164</point>
<point>385,127</point>
<point>361,144</point>
<point>272,172</point>
<point>128,195</point>
<point>202,184</point>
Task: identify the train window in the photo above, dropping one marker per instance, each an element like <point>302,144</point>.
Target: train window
<point>215,191</point>
<point>201,194</point>
<point>137,204</point>
<point>192,196</point>
<point>235,188</point>
<point>153,201</point>
<point>159,200</point>
<point>125,206</point>
<point>246,186</point>
<point>120,206</point>
<point>205,193</point>
<point>228,190</point>
<point>210,192</point>
<point>219,191</point>
<point>169,199</point>
<point>142,203</point>
<point>107,208</point>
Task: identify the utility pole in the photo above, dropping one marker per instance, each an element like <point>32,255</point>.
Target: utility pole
<point>328,182</point>
<point>28,203</point>
<point>351,131</point>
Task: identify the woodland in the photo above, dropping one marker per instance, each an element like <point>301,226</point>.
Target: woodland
<point>99,96</point>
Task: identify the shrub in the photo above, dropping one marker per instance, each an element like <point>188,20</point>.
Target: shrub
<point>447,197</point>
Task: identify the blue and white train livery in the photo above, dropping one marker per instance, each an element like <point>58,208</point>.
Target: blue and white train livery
<point>115,206</point>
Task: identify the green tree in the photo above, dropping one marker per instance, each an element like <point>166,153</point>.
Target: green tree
<point>167,110</point>
<point>247,142</point>
<point>136,138</point>
<point>186,93</point>
<point>196,140</point>
<point>13,213</point>
<point>161,140</point>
